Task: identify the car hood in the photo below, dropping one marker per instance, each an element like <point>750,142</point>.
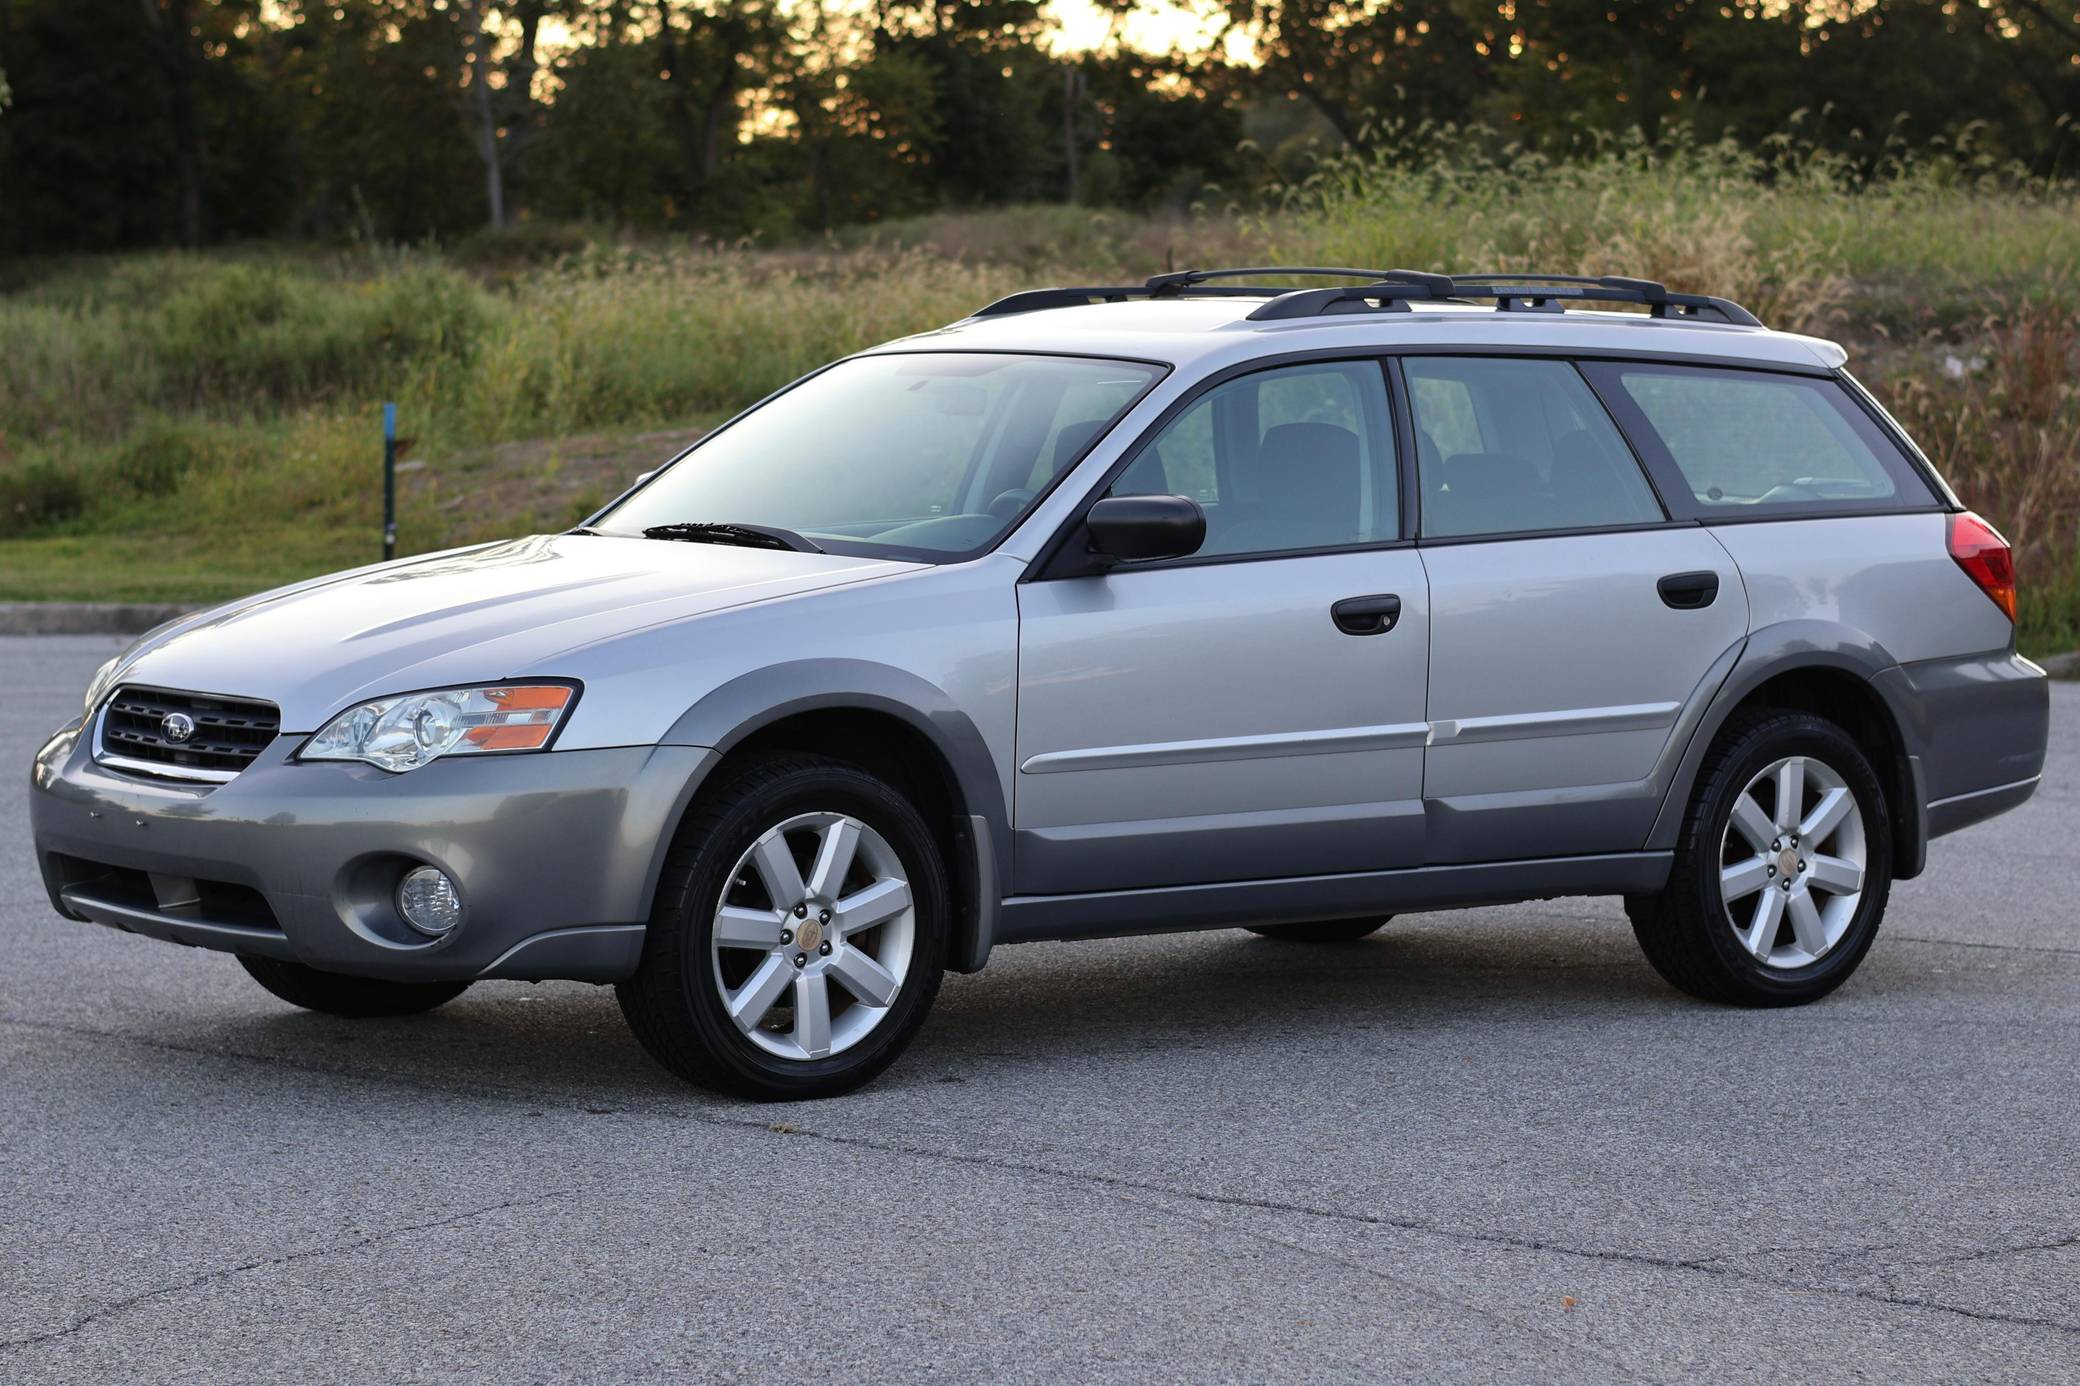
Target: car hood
<point>473,615</point>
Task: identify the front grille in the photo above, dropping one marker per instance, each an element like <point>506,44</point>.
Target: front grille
<point>229,733</point>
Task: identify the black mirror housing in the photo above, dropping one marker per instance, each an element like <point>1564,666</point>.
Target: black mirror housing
<point>1130,529</point>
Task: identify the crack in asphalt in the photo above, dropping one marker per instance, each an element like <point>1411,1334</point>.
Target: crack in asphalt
<point>1405,1286</point>
<point>1996,947</point>
<point>1705,1266</point>
<point>761,1125</point>
<point>1989,1253</point>
<point>360,1243</point>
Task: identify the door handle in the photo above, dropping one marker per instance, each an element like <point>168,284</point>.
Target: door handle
<point>1689,591</point>
<point>1374,615</point>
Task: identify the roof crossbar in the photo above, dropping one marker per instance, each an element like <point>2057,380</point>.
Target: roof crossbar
<point>1390,290</point>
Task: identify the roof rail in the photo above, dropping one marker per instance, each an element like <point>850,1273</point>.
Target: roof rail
<point>1512,293</point>
<point>1390,290</point>
<point>1175,284</point>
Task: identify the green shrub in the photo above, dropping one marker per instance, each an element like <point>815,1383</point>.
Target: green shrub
<point>38,495</point>
<point>159,457</point>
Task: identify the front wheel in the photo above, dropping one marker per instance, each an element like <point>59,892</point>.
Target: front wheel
<point>354,997</point>
<point>1782,870</point>
<point>798,937</point>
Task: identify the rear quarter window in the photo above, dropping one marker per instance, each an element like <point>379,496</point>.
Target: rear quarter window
<point>1734,443</point>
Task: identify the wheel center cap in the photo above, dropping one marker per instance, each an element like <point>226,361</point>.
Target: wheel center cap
<point>1787,863</point>
<point>808,935</point>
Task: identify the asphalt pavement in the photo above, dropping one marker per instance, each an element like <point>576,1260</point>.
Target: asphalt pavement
<point>1486,1145</point>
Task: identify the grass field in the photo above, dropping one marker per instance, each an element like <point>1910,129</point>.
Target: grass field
<point>193,426</point>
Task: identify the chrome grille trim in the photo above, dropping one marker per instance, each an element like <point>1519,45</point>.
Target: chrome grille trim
<point>230,733</point>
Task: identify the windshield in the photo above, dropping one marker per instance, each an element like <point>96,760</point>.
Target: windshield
<point>931,456</point>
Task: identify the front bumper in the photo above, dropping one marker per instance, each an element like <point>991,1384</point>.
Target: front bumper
<point>555,856</point>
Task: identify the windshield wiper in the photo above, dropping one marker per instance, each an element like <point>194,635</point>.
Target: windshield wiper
<point>748,536</point>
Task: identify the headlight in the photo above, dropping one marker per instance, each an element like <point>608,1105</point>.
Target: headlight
<point>407,731</point>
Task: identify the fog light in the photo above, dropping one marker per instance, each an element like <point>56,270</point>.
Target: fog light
<point>427,900</point>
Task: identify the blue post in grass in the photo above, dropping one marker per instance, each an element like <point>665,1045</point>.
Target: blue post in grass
<point>389,482</point>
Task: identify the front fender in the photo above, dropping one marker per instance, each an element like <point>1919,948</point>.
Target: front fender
<point>734,711</point>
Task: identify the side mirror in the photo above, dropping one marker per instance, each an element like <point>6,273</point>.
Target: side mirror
<point>645,477</point>
<point>1131,529</point>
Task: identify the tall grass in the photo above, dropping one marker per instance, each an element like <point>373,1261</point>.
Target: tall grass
<point>226,401</point>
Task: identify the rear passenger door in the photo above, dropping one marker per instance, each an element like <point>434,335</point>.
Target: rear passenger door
<point>1573,623</point>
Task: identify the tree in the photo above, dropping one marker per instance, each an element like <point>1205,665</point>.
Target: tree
<point>1362,63</point>
<point>173,32</point>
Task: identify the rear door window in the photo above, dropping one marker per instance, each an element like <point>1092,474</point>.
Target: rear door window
<point>1511,446</point>
<point>1730,443</point>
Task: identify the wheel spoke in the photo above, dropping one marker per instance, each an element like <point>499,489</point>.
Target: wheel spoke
<point>1761,934</point>
<point>1827,815</point>
<point>749,1003</point>
<point>1837,875</point>
<point>833,859</point>
<point>1743,878</point>
<point>1753,823</point>
<point>864,977</point>
<point>1806,923</point>
<point>737,927</point>
<point>875,904</point>
<point>774,862</point>
<point>1791,793</point>
<point>812,1015</point>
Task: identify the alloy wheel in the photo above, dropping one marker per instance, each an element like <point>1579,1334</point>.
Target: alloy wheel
<point>813,937</point>
<point>1792,861</point>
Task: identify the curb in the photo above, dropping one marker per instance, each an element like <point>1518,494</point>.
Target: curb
<point>2062,666</point>
<point>84,618</point>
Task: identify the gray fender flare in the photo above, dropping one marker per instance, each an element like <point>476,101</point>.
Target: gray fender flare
<point>1785,648</point>
<point>727,715</point>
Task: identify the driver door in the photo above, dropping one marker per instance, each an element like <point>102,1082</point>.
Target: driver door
<point>1209,719</point>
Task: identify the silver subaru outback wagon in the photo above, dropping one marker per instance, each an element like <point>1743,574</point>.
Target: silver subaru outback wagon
<point>1185,605</point>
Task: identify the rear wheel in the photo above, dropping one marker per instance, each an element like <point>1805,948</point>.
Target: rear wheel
<point>1323,930</point>
<point>1782,870</point>
<point>798,937</point>
<point>355,997</point>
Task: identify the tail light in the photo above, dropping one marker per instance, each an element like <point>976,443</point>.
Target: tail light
<point>1985,557</point>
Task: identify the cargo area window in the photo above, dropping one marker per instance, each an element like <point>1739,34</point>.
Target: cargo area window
<point>1734,443</point>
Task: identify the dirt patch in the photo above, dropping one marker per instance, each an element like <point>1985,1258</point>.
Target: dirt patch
<point>538,483</point>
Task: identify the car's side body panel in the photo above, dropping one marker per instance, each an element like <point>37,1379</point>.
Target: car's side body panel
<point>1210,722</point>
<point>1557,678</point>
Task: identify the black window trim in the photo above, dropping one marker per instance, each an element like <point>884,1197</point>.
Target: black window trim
<point>1057,560</point>
<point>1045,563</point>
<point>1669,479</point>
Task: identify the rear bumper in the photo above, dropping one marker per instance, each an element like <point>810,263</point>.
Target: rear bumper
<point>555,856</point>
<point>1976,729</point>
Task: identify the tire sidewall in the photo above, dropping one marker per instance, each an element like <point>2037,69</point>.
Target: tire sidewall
<point>1772,741</point>
<point>808,790</point>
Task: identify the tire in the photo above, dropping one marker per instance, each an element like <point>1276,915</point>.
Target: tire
<point>728,853</point>
<point>1322,930</point>
<point>357,998</point>
<point>1690,932</point>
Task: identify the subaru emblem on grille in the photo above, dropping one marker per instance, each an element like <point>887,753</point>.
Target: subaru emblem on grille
<point>177,727</point>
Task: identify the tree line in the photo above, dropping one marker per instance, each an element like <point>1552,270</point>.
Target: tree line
<point>156,122</point>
